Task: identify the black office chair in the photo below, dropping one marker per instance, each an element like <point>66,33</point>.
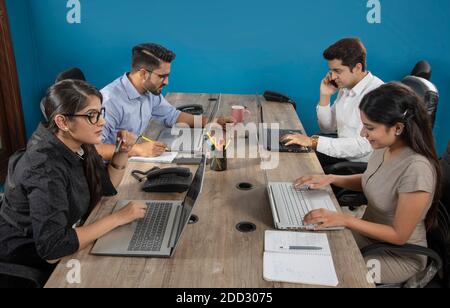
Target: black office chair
<point>71,73</point>
<point>17,275</point>
<point>425,89</point>
<point>21,276</point>
<point>438,242</point>
<point>422,69</point>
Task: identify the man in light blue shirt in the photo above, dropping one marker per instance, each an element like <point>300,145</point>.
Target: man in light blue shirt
<point>135,98</point>
<point>127,109</point>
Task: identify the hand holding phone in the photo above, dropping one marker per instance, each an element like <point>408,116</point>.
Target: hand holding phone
<point>331,81</point>
<point>328,86</point>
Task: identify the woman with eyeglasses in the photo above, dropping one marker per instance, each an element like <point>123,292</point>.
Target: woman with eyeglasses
<point>54,184</point>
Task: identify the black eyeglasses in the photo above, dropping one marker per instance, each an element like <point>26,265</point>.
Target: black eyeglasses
<point>92,116</point>
<point>163,77</point>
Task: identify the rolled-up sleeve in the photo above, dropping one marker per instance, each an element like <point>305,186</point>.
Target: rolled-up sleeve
<point>164,112</point>
<point>345,148</point>
<point>49,210</point>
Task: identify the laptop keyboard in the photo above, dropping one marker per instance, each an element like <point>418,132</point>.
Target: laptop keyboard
<point>281,145</point>
<point>297,203</point>
<point>150,231</point>
<point>293,148</point>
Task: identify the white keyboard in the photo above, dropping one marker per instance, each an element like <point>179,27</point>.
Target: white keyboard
<point>292,205</point>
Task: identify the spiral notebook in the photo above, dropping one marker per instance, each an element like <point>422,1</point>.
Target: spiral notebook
<point>297,257</point>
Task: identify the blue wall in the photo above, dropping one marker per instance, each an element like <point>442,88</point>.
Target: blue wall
<point>230,46</point>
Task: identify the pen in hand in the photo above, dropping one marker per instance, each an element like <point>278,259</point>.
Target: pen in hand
<point>150,140</point>
<point>118,146</point>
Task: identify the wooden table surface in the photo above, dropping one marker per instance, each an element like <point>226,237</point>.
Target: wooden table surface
<point>212,252</point>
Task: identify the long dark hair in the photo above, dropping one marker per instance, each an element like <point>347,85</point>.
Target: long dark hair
<point>394,103</point>
<point>69,97</point>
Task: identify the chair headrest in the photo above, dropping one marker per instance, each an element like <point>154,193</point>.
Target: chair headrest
<point>420,85</point>
<point>72,73</point>
<point>43,109</point>
<point>422,69</point>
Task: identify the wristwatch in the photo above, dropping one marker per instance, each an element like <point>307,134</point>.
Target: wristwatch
<point>314,142</point>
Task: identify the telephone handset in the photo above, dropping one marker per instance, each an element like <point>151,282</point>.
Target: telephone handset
<point>194,109</point>
<point>333,83</point>
<point>272,96</point>
<point>164,180</point>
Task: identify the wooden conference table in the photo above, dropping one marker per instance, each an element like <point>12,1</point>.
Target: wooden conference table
<point>212,252</point>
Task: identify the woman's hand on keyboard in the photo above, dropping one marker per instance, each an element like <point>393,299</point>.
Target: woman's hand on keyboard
<point>323,219</point>
<point>132,211</point>
<point>313,181</point>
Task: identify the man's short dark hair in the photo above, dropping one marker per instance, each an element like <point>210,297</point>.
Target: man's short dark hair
<point>350,51</point>
<point>150,56</point>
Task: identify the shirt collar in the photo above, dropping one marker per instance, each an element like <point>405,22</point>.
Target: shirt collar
<point>47,141</point>
<point>360,87</point>
<point>131,91</point>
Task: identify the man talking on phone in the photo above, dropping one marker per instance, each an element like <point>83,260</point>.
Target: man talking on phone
<point>348,75</point>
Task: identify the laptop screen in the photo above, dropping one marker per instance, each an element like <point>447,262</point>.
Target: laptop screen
<point>191,196</point>
<point>182,140</point>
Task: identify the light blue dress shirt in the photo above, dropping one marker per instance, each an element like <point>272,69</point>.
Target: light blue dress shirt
<point>127,109</point>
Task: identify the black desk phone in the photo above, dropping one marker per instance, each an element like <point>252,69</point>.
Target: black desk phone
<point>194,109</point>
<point>164,180</point>
<point>272,96</point>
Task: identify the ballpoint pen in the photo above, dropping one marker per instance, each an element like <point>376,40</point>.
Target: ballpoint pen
<point>118,146</point>
<point>301,247</point>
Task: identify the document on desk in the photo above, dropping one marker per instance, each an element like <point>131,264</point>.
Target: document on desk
<point>298,257</point>
<point>165,158</point>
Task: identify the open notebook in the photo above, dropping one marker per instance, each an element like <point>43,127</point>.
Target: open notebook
<point>297,257</point>
<point>165,158</point>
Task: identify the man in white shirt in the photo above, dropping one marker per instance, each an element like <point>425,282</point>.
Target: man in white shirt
<point>348,75</point>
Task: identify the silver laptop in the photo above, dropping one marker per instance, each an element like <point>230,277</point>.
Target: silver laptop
<point>158,234</point>
<point>290,206</point>
<point>188,140</point>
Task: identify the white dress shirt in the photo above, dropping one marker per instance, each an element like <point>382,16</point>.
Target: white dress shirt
<point>344,117</point>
